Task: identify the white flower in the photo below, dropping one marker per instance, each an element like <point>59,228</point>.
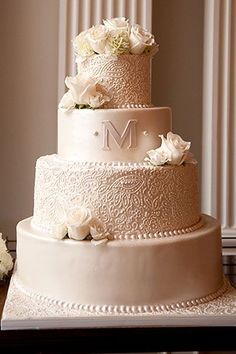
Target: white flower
<point>140,39</point>
<point>81,88</point>
<point>79,224</point>
<point>97,37</point>
<point>83,91</point>
<point>82,46</point>
<point>173,151</point>
<point>116,23</point>
<point>60,231</point>
<point>97,230</point>
<point>67,102</point>
<point>178,142</point>
<point>6,262</point>
<point>158,156</point>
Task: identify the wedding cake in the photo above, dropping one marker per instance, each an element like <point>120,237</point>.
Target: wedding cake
<point>117,226</point>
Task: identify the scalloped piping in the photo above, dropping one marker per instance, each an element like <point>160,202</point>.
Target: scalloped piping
<point>123,309</point>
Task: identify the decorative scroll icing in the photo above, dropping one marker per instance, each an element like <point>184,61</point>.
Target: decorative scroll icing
<point>124,309</point>
<point>129,199</point>
<point>110,130</point>
<point>121,78</point>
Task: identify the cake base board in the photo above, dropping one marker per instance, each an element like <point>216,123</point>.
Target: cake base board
<point>24,312</point>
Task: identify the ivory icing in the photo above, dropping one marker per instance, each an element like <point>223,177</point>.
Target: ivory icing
<point>125,78</point>
<point>130,200</point>
<point>122,273</point>
<point>112,134</point>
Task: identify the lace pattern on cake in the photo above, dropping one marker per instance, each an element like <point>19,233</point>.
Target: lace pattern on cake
<point>124,309</point>
<point>120,78</point>
<point>133,201</point>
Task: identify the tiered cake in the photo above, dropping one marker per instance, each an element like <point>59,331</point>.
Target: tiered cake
<point>117,225</point>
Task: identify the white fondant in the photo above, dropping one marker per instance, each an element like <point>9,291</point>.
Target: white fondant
<point>76,140</point>
<point>130,273</point>
<point>122,309</point>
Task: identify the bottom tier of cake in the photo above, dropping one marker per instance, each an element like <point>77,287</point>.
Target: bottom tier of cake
<point>136,274</point>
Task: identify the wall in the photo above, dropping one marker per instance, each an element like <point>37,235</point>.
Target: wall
<point>28,94</point>
<point>177,68</point>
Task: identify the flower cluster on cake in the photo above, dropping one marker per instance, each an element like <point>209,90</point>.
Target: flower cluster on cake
<point>114,37</point>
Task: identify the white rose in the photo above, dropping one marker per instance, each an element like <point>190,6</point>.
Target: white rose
<point>98,232</point>
<point>140,39</point>
<point>97,37</point>
<point>67,102</point>
<point>179,148</point>
<point>176,156</point>
<point>178,142</point>
<point>116,23</point>
<point>78,224</point>
<point>173,151</point>
<point>82,46</point>
<point>81,88</point>
<point>158,156</point>
<point>98,100</point>
<point>84,91</point>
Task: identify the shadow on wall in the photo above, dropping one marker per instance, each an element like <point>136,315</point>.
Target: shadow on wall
<point>29,40</point>
<point>177,68</point>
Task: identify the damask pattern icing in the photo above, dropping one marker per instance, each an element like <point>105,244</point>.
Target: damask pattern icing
<point>131,200</point>
<point>120,78</point>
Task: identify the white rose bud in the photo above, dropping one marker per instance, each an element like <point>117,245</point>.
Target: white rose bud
<point>140,39</point>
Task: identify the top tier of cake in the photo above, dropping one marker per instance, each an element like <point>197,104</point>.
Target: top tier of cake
<point>113,67</point>
<point>125,79</point>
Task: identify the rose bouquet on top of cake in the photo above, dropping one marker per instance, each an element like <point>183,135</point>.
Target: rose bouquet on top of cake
<point>114,37</point>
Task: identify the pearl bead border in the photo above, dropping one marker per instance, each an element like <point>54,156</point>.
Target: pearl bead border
<point>123,309</point>
<point>147,236</point>
<point>161,234</point>
<point>134,105</point>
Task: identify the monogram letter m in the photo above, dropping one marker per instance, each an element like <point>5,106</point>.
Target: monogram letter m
<point>109,129</point>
